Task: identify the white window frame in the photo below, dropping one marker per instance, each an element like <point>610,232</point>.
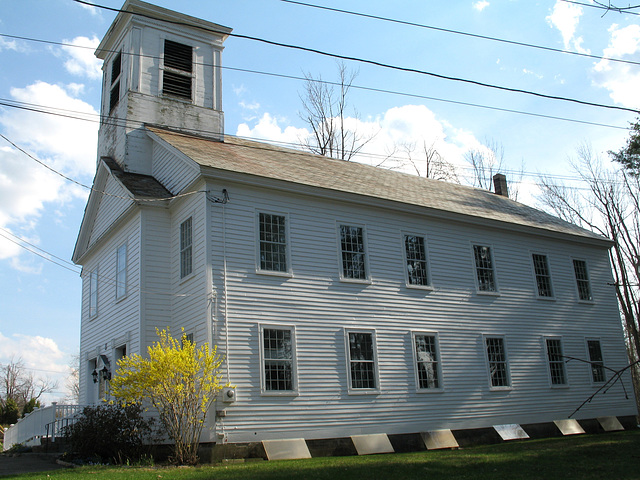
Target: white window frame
<point>122,271</point>
<point>376,376</point>
<point>535,276</point>
<point>343,278</point>
<point>93,293</point>
<point>563,363</point>
<point>115,83</point>
<point>601,362</point>
<point>496,290</point>
<point>175,71</point>
<point>294,368</point>
<point>577,281</point>
<point>259,269</point>
<point>488,363</point>
<point>183,248</point>
<point>438,362</point>
<point>407,278</point>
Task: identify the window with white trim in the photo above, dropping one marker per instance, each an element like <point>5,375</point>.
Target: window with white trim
<point>556,360</point>
<point>362,360</point>
<point>485,271</point>
<point>116,70</point>
<point>497,362</point>
<point>93,293</point>
<point>543,275</point>
<point>415,252</point>
<point>177,73</point>
<point>186,246</point>
<point>353,253</point>
<point>121,271</point>
<point>278,367</point>
<point>598,374</point>
<point>427,361</point>
<point>273,242</point>
<point>582,280</point>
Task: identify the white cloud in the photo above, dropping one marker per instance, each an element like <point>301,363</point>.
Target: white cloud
<point>82,61</point>
<point>268,129</point>
<point>41,357</point>
<point>399,128</point>
<point>8,45</point>
<point>481,5</point>
<point>65,144</point>
<point>566,17</point>
<point>621,79</point>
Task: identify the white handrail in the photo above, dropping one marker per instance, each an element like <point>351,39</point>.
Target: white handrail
<point>34,425</point>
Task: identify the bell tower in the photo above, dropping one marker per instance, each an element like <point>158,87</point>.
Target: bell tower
<point>160,68</point>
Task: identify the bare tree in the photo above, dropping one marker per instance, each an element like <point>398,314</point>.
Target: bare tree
<point>611,207</point>
<point>486,161</point>
<point>432,165</point>
<point>20,386</point>
<point>324,109</point>
<point>73,380</point>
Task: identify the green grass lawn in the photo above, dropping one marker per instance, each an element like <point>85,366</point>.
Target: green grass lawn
<point>605,456</point>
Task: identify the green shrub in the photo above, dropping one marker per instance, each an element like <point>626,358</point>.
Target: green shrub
<point>10,412</point>
<point>111,434</point>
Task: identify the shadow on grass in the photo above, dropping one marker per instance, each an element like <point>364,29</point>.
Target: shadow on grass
<point>611,456</point>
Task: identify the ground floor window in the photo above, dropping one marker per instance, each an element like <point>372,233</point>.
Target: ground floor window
<point>277,359</point>
<point>427,361</point>
<point>362,360</point>
<point>497,361</point>
<point>556,361</point>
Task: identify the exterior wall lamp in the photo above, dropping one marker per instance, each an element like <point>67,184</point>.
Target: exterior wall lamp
<point>94,374</point>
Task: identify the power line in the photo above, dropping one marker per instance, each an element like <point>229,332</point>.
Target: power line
<point>458,32</point>
<point>39,254</point>
<point>377,63</point>
<point>605,7</point>
<point>38,248</point>
<point>27,106</point>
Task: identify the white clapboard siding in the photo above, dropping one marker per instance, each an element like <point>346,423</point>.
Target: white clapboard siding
<point>320,306</point>
<point>116,318</point>
<point>172,172</point>
<point>112,204</point>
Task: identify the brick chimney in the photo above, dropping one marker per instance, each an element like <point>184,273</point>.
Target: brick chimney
<point>500,185</point>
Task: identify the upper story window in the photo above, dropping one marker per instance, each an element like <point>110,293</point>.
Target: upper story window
<point>353,253</point>
<point>278,359</point>
<point>497,362</point>
<point>273,242</point>
<point>93,293</point>
<point>543,275</point>
<point>597,363</point>
<point>427,361</point>
<point>485,271</point>
<point>177,74</point>
<point>186,254</point>
<point>121,271</point>
<point>362,360</point>
<point>582,280</point>
<point>556,361</point>
<point>416,260</point>
<point>116,70</point>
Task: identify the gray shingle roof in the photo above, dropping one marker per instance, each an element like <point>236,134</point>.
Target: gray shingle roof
<point>268,161</point>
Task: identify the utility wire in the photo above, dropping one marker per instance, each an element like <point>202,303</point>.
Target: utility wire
<point>605,7</point>
<point>38,248</point>
<point>458,32</point>
<point>25,106</point>
<point>375,63</point>
<point>40,255</point>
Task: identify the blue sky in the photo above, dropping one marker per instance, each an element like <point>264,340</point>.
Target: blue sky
<point>40,300</point>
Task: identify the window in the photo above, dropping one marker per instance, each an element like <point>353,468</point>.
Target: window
<point>497,361</point>
<point>543,275</point>
<point>121,271</point>
<point>186,255</point>
<point>93,293</point>
<point>485,273</point>
<point>582,280</point>
<point>556,361</point>
<point>116,70</point>
<point>362,363</point>
<point>277,357</point>
<point>427,362</point>
<point>416,258</point>
<point>597,363</point>
<point>353,253</point>
<point>177,74</point>
<point>273,242</point>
